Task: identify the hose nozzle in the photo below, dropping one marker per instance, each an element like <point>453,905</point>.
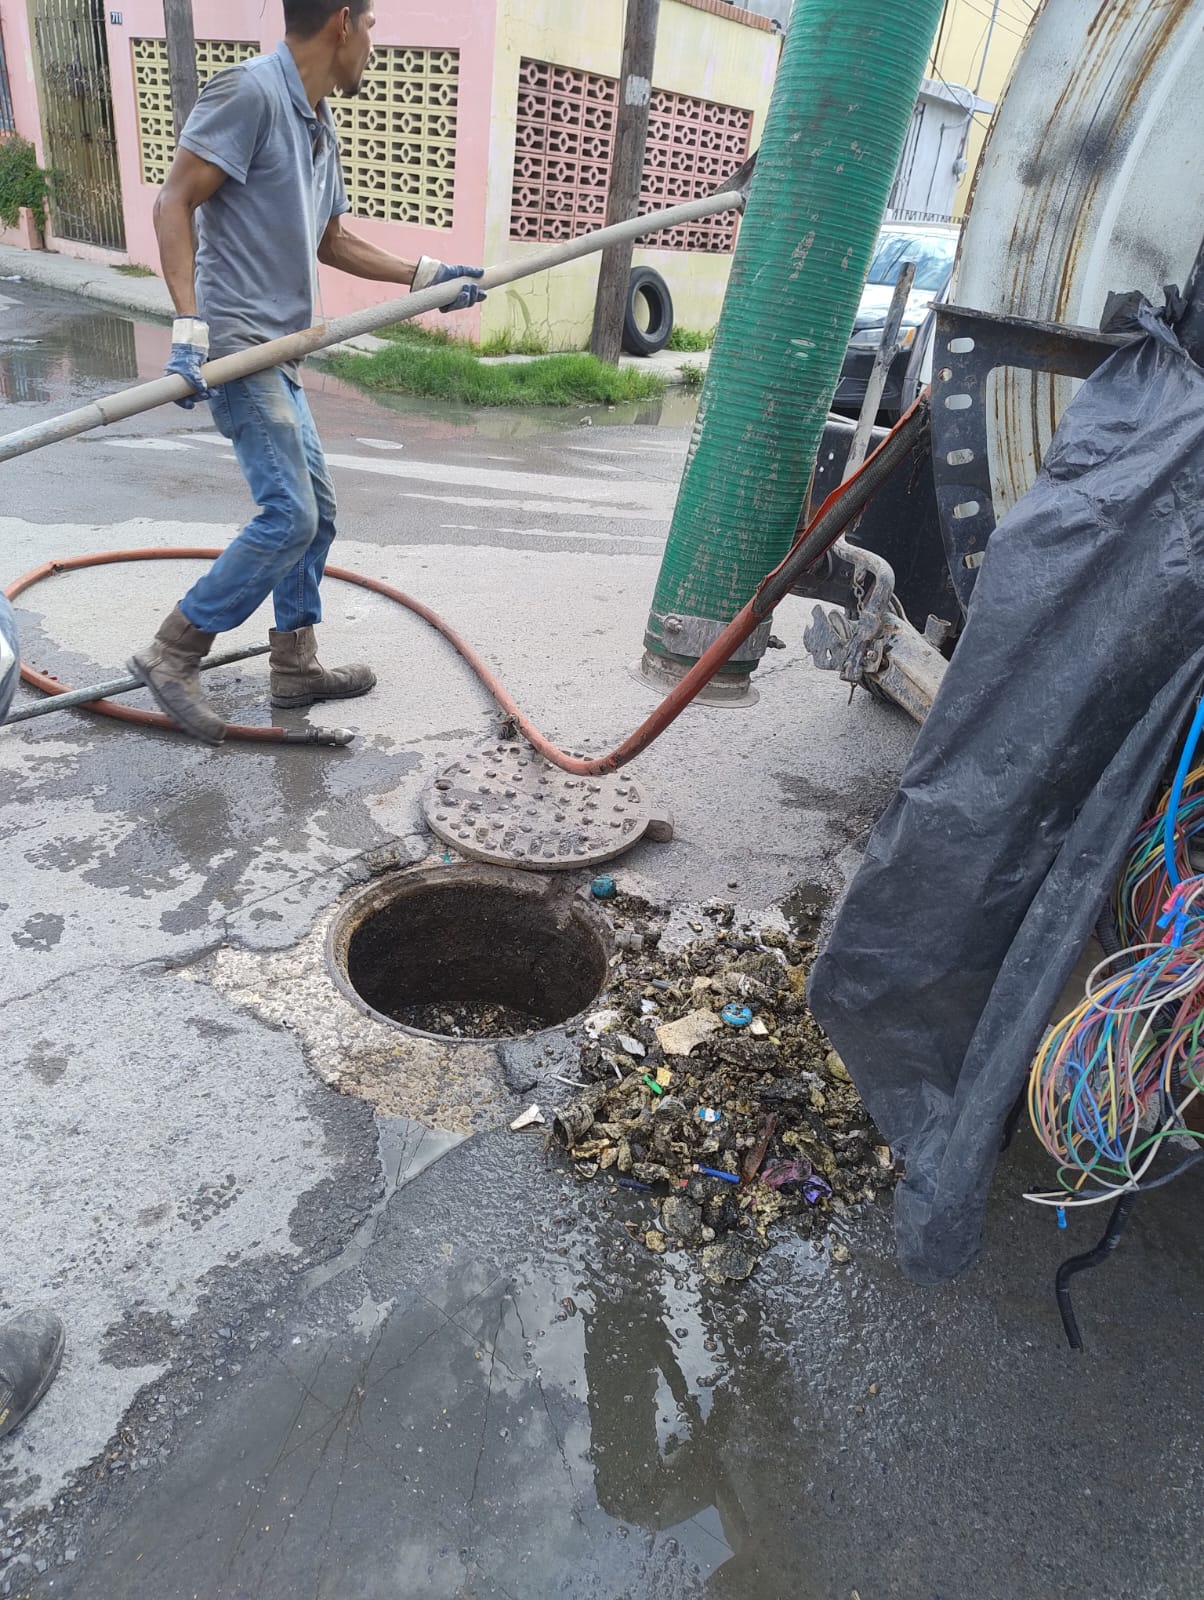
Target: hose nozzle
<point>338,737</point>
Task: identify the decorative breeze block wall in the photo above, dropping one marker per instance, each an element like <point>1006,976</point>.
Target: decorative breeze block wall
<point>693,145</point>
<point>398,137</point>
<point>565,143</point>
<point>562,152</point>
<point>152,87</point>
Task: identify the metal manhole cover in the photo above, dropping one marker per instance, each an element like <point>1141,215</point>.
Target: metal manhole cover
<point>506,805</point>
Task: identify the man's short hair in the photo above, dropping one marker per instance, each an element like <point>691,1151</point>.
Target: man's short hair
<point>304,18</point>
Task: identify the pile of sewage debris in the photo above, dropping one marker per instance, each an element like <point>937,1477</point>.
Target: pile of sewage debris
<point>711,1090</point>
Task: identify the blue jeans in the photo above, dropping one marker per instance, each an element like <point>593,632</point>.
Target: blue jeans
<point>282,551</point>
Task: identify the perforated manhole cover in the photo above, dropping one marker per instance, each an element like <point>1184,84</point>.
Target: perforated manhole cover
<point>506,805</point>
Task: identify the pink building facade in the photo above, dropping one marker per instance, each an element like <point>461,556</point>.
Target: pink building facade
<point>429,148</point>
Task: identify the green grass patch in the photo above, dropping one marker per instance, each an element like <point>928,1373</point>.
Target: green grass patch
<point>690,339</point>
<point>692,375</point>
<point>135,269</point>
<point>413,334</point>
<point>508,343</point>
<point>442,369</point>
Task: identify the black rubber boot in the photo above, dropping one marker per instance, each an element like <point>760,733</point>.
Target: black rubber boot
<point>31,1348</point>
<point>298,678</point>
<point>170,669</point>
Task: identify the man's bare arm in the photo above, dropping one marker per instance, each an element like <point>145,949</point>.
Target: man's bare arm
<point>363,260</point>
<point>190,183</point>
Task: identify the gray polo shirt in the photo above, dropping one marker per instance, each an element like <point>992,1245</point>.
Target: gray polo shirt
<point>256,266</point>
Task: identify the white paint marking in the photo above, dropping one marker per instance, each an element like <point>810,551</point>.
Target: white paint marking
<point>381,444</point>
<point>545,508</point>
<point>592,450</point>
<point>668,446</point>
<point>639,91</point>
<point>597,538</point>
<point>149,444</point>
<point>553,533</point>
<point>654,497</point>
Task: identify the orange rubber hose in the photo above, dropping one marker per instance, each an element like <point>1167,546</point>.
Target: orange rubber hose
<point>825,524</point>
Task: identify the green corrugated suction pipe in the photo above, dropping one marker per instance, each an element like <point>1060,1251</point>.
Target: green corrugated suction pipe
<point>846,86</point>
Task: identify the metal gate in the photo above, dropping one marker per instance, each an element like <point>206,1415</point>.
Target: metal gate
<point>77,120</point>
<point>8,123</point>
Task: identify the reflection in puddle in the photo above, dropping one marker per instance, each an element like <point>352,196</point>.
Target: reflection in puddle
<point>48,364</point>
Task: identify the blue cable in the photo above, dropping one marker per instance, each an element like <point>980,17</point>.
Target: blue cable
<point>1172,805</point>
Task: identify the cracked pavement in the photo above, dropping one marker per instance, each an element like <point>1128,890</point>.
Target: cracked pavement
<point>317,1348</point>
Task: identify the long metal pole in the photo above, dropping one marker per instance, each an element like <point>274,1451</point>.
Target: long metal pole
<point>296,346</point>
<point>886,352</point>
<point>127,685</point>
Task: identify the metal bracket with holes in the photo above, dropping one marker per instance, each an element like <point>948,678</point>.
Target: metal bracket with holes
<point>968,347</point>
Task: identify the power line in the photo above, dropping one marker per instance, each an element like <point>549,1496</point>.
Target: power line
<point>1022,20</point>
<point>969,5</point>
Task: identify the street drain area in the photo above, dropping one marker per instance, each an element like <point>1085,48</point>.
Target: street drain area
<point>470,952</point>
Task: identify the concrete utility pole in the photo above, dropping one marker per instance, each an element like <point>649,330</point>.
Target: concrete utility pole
<point>626,173</point>
<point>181,59</point>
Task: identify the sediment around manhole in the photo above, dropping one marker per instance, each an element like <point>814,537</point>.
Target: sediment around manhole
<point>457,1087</point>
<point>470,951</point>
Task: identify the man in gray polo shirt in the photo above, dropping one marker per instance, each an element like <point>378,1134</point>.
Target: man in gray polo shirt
<point>258,170</point>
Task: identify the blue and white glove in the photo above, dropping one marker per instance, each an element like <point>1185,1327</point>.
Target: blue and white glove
<point>10,657</point>
<point>189,352</point>
<point>429,272</point>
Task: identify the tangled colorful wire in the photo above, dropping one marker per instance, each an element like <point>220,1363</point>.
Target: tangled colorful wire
<point>1112,1079</point>
<point>1146,885</point>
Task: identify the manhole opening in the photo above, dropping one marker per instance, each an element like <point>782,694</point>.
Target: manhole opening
<point>470,953</point>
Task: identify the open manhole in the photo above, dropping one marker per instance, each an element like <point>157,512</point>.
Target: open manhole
<point>470,952</point>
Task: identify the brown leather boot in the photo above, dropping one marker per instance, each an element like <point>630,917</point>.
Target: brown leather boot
<point>298,679</point>
<point>31,1348</point>
<point>169,667</point>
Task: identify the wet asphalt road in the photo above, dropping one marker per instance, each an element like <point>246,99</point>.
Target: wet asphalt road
<point>318,1351</point>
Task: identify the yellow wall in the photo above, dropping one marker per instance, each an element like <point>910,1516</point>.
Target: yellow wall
<point>958,57</point>
<point>698,53</point>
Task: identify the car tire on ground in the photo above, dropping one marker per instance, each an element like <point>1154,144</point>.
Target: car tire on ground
<point>652,288</point>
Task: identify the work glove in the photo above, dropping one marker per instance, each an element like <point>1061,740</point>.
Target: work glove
<point>10,657</point>
<point>429,272</point>
<point>189,352</point>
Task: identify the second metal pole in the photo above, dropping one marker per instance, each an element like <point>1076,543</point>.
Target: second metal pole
<point>626,175</point>
<point>885,354</point>
<point>102,691</point>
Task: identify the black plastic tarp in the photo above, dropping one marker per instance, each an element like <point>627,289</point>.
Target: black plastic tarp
<point>1082,654</point>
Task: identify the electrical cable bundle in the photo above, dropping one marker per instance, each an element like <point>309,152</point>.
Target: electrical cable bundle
<point>1112,1079</point>
<point>1145,885</point>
